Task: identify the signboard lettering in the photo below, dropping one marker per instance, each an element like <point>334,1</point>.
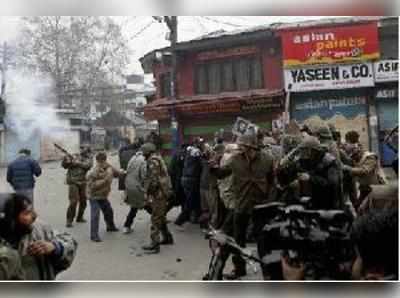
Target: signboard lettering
<point>330,45</point>
<point>386,71</point>
<point>329,77</point>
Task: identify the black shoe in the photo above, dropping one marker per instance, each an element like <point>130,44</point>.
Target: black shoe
<point>152,248</point>
<point>96,239</point>
<point>69,225</point>
<point>235,274</point>
<point>81,220</point>
<point>112,229</point>
<point>168,240</point>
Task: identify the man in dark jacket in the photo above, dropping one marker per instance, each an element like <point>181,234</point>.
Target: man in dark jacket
<point>175,170</point>
<point>21,173</point>
<point>191,182</point>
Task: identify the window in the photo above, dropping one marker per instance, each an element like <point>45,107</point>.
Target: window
<point>230,75</point>
<point>165,84</point>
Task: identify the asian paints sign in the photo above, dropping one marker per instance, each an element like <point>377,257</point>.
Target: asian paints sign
<point>330,45</point>
<point>329,77</point>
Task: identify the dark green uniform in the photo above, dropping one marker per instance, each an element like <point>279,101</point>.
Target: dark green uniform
<point>76,180</point>
<point>252,181</point>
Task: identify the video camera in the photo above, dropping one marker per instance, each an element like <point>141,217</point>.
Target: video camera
<point>320,239</point>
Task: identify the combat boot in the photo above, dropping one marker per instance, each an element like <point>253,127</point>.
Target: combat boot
<point>167,239</point>
<point>152,248</point>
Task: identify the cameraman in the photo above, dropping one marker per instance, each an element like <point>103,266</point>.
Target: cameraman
<point>375,238</point>
<point>317,174</point>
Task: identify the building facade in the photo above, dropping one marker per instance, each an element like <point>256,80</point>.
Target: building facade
<point>220,77</point>
<point>343,71</point>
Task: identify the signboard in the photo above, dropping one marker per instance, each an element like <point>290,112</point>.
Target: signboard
<point>217,54</point>
<point>243,126</point>
<point>329,77</point>
<point>386,71</point>
<point>330,45</point>
<point>387,93</point>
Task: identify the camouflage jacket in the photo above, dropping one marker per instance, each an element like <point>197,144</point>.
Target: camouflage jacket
<point>157,182</point>
<point>251,180</point>
<point>47,267</point>
<point>76,170</point>
<point>10,263</point>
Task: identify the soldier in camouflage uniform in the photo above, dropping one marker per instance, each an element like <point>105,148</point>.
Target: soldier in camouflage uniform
<point>316,172</point>
<point>158,189</point>
<point>325,137</point>
<point>77,167</point>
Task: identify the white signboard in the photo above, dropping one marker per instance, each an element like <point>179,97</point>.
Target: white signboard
<point>329,77</point>
<point>386,71</point>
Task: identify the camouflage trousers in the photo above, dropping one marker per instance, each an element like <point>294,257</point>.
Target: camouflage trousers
<point>76,195</point>
<point>158,218</point>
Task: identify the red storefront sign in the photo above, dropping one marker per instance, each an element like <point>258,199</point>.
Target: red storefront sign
<point>330,45</point>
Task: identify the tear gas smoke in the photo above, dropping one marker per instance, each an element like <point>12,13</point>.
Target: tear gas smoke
<point>30,100</point>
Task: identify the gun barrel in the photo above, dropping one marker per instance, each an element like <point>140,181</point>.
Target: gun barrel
<point>62,149</point>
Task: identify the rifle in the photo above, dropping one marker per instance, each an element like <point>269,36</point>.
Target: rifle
<point>63,150</point>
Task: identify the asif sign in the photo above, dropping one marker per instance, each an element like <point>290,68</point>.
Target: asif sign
<point>330,45</point>
<point>329,77</point>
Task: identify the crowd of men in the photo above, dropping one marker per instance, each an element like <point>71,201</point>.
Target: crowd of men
<point>216,185</point>
<point>219,184</point>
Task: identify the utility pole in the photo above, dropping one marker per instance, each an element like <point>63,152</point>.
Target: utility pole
<point>172,23</point>
<point>4,66</point>
<point>4,70</point>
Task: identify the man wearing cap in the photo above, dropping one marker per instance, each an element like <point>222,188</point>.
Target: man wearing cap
<point>326,139</point>
<point>252,179</point>
<point>319,175</point>
<point>21,173</point>
<point>157,190</point>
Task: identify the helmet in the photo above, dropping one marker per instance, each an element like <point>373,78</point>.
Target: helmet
<point>248,140</point>
<point>148,148</point>
<point>289,142</point>
<point>310,143</point>
<point>324,132</point>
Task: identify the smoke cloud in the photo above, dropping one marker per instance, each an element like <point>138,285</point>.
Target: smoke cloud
<point>30,101</point>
